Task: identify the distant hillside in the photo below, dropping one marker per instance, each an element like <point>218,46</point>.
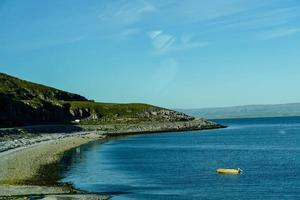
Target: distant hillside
<point>250,111</point>
<point>26,103</point>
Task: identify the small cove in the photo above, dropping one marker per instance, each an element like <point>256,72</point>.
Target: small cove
<point>182,165</point>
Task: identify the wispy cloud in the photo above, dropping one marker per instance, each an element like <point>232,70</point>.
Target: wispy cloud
<point>161,41</point>
<point>146,7</point>
<point>277,33</point>
<point>166,43</point>
<point>125,13</point>
<point>263,23</point>
<point>257,19</point>
<point>203,15</point>
<point>193,11</point>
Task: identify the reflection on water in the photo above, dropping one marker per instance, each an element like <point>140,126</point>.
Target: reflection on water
<point>182,165</point>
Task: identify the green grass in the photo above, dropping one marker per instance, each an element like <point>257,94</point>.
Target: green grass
<point>9,83</point>
<point>113,112</point>
<point>21,89</point>
<point>110,108</point>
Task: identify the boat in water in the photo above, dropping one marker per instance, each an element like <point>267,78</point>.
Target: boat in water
<point>229,171</point>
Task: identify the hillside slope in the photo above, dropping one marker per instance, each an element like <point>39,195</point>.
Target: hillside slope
<point>277,110</point>
<point>26,103</point>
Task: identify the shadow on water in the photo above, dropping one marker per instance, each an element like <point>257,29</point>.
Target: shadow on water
<point>50,174</point>
<point>73,156</point>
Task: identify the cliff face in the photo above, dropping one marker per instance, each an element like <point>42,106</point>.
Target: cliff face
<point>22,102</point>
<point>26,103</point>
<point>15,112</point>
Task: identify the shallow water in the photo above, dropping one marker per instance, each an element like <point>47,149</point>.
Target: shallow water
<point>183,165</point>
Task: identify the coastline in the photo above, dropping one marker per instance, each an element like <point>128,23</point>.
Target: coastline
<point>31,170</point>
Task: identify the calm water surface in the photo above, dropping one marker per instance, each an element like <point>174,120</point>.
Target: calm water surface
<point>183,165</point>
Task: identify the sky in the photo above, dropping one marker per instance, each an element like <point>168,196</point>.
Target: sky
<point>171,53</point>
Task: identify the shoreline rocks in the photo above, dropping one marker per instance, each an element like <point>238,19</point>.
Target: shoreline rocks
<point>25,136</point>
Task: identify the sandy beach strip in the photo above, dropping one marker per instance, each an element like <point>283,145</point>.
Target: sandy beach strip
<point>31,170</point>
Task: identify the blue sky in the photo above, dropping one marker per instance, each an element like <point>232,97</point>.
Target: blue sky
<point>176,54</point>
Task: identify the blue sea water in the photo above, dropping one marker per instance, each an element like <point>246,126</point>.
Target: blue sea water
<point>183,165</point>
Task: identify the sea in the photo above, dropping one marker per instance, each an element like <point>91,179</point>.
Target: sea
<point>183,165</point>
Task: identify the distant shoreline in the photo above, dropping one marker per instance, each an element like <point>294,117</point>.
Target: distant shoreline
<point>233,118</point>
<point>246,111</point>
<point>31,169</point>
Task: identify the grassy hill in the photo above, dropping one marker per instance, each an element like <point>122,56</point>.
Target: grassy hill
<point>250,111</point>
<point>27,103</point>
<point>24,90</point>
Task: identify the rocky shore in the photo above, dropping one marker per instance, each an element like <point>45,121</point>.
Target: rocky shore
<point>12,138</point>
<point>28,159</point>
<point>197,124</point>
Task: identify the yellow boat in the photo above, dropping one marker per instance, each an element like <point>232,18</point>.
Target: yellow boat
<point>229,171</point>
